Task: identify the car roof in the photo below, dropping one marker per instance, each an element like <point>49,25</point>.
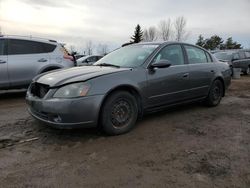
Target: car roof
<point>163,43</point>
<point>31,38</point>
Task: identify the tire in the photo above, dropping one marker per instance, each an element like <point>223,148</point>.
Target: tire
<point>119,113</point>
<point>247,72</point>
<point>215,94</point>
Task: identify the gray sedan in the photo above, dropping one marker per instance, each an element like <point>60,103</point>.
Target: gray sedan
<point>127,83</point>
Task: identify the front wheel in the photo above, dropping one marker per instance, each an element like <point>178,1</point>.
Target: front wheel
<point>119,113</point>
<point>215,94</point>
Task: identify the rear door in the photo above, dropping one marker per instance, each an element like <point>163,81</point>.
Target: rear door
<point>201,70</point>
<point>25,59</point>
<point>168,85</point>
<point>4,79</point>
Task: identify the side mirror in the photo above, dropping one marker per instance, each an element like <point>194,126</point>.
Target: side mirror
<point>161,64</point>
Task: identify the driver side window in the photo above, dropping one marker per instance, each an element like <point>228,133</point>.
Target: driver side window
<point>172,53</point>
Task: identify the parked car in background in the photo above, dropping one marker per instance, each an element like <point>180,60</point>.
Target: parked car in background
<point>88,60</point>
<point>127,83</point>
<point>77,56</point>
<point>235,58</point>
<point>22,58</point>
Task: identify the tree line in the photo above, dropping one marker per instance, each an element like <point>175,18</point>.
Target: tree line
<point>217,43</point>
<point>177,31</point>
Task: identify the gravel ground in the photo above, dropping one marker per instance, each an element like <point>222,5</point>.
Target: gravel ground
<point>187,146</point>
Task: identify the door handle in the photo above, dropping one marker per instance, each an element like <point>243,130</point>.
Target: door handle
<point>2,62</point>
<point>185,75</point>
<point>42,60</point>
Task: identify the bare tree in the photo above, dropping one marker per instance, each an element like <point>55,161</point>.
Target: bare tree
<point>72,49</point>
<point>150,34</point>
<point>181,33</point>
<point>102,49</point>
<point>165,29</point>
<point>145,35</point>
<point>89,47</point>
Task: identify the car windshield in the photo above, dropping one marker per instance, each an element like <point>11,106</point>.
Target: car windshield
<point>82,58</point>
<point>226,56</point>
<point>128,56</point>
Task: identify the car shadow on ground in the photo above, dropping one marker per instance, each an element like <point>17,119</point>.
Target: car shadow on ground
<point>50,135</point>
<point>12,94</point>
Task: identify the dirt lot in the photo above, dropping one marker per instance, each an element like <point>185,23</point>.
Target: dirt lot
<point>189,146</point>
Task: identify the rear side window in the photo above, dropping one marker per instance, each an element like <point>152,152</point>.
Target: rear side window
<point>48,47</point>
<point>2,47</point>
<point>17,46</point>
<point>195,55</point>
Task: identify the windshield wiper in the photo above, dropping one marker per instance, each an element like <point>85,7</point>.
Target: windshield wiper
<point>108,65</point>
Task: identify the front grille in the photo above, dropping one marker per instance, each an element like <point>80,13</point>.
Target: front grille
<point>39,90</point>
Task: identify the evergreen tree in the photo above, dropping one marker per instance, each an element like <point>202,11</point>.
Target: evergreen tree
<point>213,43</point>
<point>200,42</point>
<point>232,45</point>
<point>138,34</point>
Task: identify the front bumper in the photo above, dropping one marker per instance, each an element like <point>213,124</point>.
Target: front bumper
<point>66,113</point>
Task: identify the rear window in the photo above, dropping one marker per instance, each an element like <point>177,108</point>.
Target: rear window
<point>225,56</point>
<point>17,46</point>
<point>64,50</point>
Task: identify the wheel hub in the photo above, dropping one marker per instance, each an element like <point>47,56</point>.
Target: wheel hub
<point>121,113</point>
<point>216,92</point>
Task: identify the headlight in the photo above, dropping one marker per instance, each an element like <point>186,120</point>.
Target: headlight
<point>72,90</point>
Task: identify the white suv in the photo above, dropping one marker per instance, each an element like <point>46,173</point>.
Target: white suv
<point>22,58</point>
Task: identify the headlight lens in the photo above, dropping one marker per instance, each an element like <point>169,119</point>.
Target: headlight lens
<point>72,90</point>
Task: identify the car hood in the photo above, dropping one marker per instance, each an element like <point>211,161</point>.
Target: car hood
<point>76,74</point>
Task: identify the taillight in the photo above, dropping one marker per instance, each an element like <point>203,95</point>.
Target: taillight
<point>68,57</point>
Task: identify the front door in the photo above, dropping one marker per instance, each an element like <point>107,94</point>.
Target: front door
<point>168,85</point>
<point>4,79</point>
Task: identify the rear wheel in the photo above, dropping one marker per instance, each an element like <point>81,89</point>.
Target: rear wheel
<point>215,93</point>
<point>119,113</point>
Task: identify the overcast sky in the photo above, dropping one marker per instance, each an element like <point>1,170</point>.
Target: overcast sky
<point>113,21</point>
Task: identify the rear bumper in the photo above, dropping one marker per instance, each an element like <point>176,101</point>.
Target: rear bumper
<point>66,113</point>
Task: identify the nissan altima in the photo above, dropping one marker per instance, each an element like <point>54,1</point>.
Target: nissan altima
<point>127,83</point>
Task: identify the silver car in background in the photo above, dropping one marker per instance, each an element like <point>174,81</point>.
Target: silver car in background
<point>88,60</point>
<point>22,58</point>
